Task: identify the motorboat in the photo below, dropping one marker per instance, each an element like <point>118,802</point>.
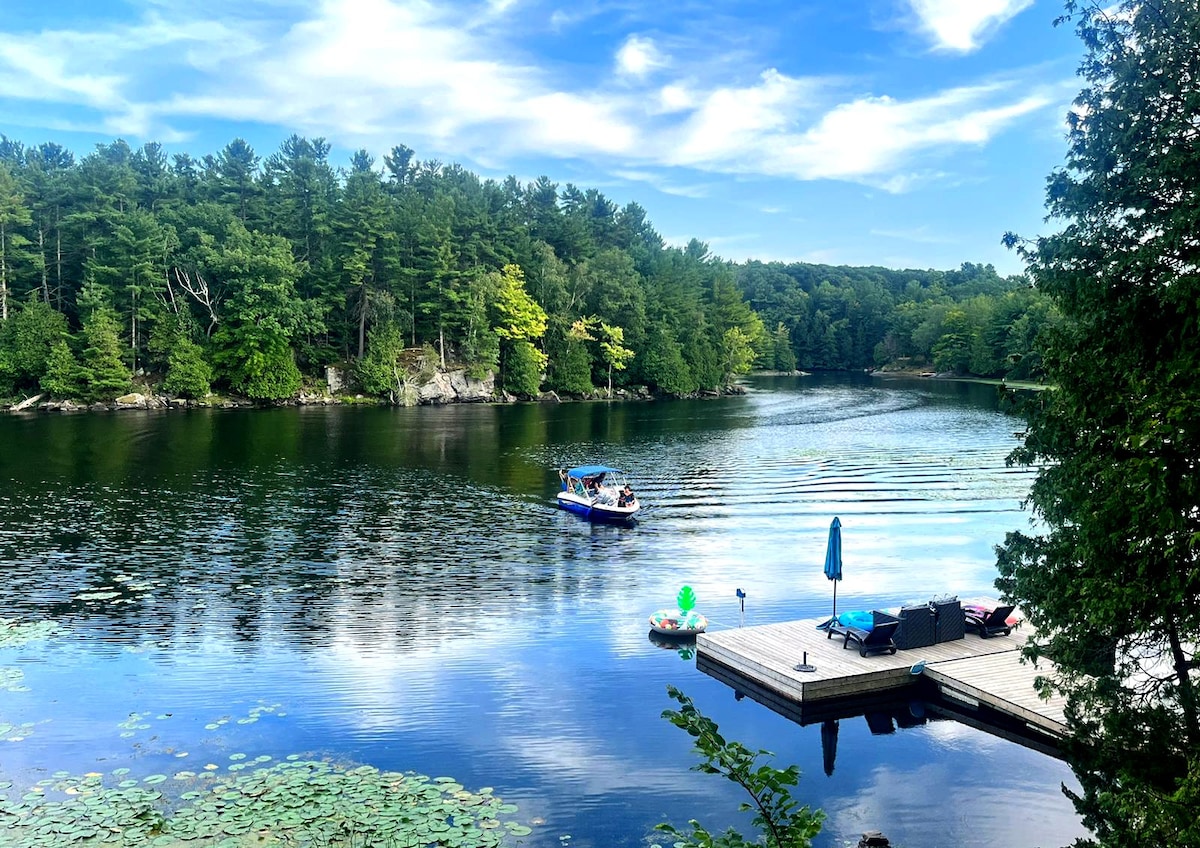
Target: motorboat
<point>598,493</point>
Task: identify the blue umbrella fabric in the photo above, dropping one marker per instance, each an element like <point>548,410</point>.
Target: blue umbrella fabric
<point>833,560</point>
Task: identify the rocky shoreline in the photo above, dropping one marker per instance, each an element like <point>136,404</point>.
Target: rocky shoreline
<point>444,387</point>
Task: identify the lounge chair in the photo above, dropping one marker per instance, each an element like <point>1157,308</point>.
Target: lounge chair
<point>873,641</point>
<point>989,624</point>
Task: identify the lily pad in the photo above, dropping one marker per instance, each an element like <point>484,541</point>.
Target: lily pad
<point>296,801</point>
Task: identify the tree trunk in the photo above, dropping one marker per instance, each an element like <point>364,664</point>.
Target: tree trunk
<point>362,320</point>
<point>59,261</point>
<point>3,275</point>
<point>45,274</point>
<point>133,325</point>
<point>1187,694</point>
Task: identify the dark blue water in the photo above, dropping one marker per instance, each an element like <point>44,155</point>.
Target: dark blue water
<point>396,588</point>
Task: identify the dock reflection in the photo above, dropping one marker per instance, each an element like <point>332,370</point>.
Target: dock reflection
<point>884,712</point>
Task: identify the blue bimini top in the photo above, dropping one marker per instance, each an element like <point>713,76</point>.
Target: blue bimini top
<point>592,471</point>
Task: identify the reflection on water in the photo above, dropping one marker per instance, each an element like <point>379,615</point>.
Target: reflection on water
<point>395,587</point>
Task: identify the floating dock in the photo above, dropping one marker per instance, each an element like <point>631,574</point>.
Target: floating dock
<point>971,671</point>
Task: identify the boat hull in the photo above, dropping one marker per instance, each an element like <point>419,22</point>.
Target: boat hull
<point>585,507</point>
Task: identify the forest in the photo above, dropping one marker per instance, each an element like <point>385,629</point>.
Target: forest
<point>248,275</point>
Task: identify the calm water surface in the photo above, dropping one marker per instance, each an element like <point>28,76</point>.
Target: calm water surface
<point>395,587</point>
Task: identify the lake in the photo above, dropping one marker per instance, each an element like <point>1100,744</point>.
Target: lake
<point>395,588</point>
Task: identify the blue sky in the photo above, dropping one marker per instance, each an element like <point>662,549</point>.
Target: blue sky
<point>903,133</point>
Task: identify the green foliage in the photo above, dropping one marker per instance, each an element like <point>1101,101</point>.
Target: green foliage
<point>380,372</point>
<point>253,345</point>
<point>783,358</point>
<point>188,373</point>
<point>104,373</point>
<point>703,362</point>
<point>8,384</point>
<point>481,343</point>
<point>951,352</point>
<point>290,802</point>
<point>26,339</point>
<point>63,377</point>
<point>1112,584</point>
<point>264,368</point>
<point>14,214</point>
<point>738,350</point>
<point>288,250</point>
<point>841,317</point>
<point>664,365</point>
<point>571,370</point>
<point>613,352</point>
<point>521,368</point>
<point>517,319</point>
<point>782,822</point>
<point>517,315</point>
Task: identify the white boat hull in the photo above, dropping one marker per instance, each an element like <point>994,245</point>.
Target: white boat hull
<point>594,508</point>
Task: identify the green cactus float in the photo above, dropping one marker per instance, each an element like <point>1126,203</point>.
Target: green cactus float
<point>682,621</point>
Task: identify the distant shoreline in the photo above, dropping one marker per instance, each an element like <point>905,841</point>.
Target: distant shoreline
<point>986,381</point>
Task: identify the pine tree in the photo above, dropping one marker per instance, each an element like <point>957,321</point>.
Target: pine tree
<point>14,215</point>
<point>105,375</point>
<point>63,377</point>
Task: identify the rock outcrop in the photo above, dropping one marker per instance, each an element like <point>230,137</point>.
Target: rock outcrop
<point>456,387</point>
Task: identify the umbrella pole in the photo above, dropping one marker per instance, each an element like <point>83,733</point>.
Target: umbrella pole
<point>835,600</point>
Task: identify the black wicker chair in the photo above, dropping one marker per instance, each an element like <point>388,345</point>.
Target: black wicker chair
<point>916,628</point>
<point>949,620</point>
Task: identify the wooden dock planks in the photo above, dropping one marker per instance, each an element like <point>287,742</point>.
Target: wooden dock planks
<point>986,670</point>
<point>1003,684</point>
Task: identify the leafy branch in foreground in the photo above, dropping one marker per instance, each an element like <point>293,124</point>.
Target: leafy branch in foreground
<point>783,823</point>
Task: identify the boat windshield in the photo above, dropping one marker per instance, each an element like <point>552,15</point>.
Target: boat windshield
<point>607,485</point>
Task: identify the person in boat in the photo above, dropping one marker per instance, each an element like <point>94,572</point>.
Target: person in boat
<point>626,497</point>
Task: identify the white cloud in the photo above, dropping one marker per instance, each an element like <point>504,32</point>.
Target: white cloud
<point>962,24</point>
<point>660,183</point>
<point>920,235</point>
<point>81,68</point>
<point>730,122</point>
<point>374,72</point>
<point>638,56</point>
<point>42,69</point>
<point>572,125</point>
<point>869,139</point>
<point>675,98</point>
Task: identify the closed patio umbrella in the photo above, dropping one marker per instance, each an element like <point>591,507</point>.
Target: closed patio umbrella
<point>833,559</point>
<point>829,735</point>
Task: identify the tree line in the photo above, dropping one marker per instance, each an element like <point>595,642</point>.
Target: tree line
<point>251,273</point>
<point>968,321</point>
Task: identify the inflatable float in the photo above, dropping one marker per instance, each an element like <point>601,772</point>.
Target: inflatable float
<point>681,621</point>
